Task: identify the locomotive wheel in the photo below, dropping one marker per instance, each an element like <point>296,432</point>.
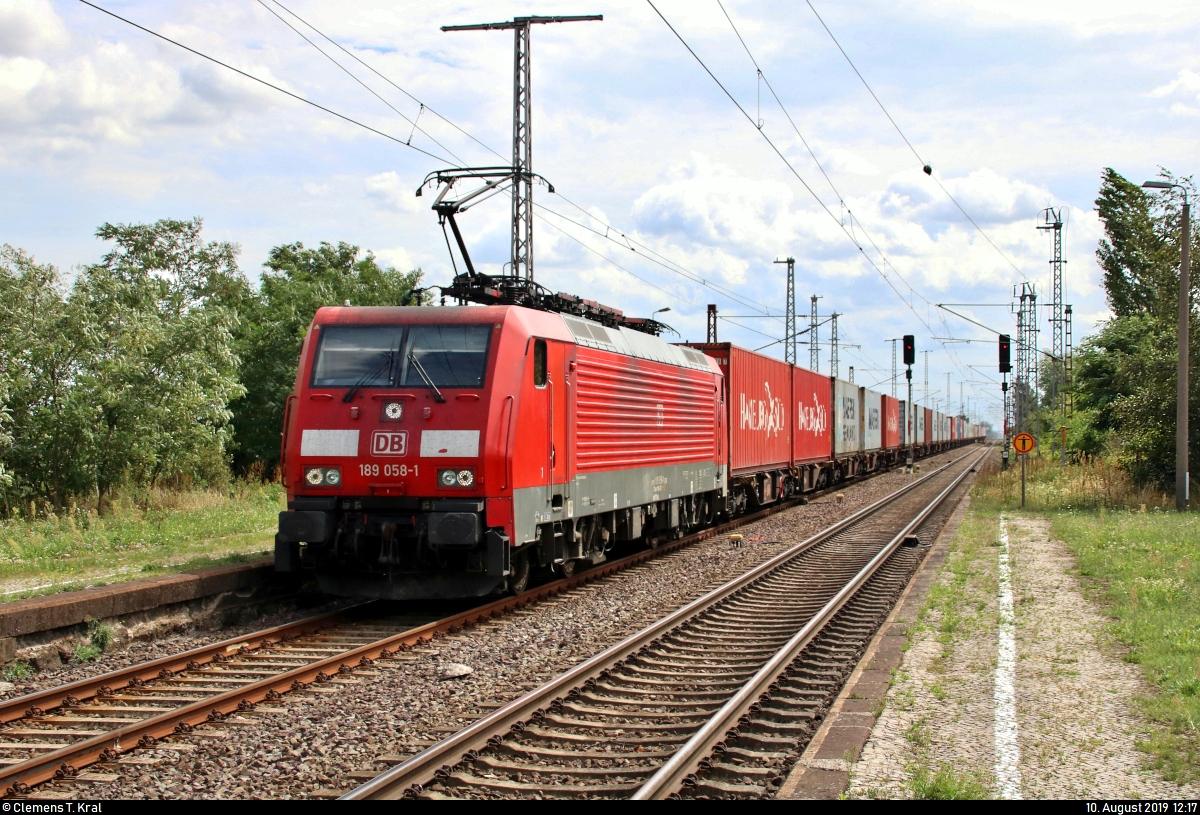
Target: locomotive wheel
<point>519,579</point>
<point>566,568</point>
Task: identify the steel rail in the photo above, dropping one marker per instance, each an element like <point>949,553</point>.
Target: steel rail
<point>17,778</point>
<point>425,766</point>
<point>685,762</point>
<point>137,675</point>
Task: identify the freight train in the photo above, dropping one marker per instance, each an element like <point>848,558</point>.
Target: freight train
<point>447,452</point>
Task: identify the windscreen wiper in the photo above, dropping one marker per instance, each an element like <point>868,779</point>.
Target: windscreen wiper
<point>368,376</point>
<point>437,394</point>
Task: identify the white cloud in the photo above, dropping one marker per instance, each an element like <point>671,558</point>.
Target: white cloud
<point>392,192</point>
<point>1186,84</point>
<point>29,26</point>
<point>397,257</point>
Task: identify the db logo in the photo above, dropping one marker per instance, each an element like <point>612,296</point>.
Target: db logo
<point>389,443</point>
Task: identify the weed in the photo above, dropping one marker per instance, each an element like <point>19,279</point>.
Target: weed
<point>938,692</point>
<point>86,653</point>
<point>944,785</point>
<point>917,734</point>
<point>16,671</point>
<point>100,635</point>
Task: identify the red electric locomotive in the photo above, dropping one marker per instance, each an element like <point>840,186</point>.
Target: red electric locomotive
<point>443,452</point>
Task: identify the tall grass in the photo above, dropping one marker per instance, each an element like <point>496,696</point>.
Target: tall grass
<point>1088,485</point>
<point>139,531</point>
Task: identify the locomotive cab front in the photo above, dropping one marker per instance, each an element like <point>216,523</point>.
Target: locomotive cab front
<point>384,454</point>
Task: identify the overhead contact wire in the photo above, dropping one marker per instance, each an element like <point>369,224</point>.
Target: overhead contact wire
<point>804,183</point>
<point>273,87</point>
<point>922,161</point>
<point>365,86</point>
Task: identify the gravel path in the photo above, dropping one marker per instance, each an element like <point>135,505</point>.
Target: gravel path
<point>334,737</point>
<point>1077,719</point>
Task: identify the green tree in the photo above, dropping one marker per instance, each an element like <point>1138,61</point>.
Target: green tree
<point>295,283</point>
<point>1124,375</point>
<point>158,313</point>
<point>41,356</point>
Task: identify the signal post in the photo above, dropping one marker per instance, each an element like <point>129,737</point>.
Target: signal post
<point>910,357</point>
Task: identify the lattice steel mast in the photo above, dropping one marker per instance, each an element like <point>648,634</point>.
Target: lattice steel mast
<point>789,320</point>
<point>1026,380</point>
<point>522,162</point>
<point>1051,220</point>
<point>833,347</point>
<point>814,360</point>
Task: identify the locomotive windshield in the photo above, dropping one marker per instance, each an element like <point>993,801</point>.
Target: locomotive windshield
<point>380,356</point>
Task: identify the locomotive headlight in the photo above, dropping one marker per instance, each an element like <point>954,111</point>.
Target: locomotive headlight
<point>323,476</point>
<point>448,478</point>
<point>394,411</point>
<point>465,478</point>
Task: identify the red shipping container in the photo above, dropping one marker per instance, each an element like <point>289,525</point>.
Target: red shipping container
<point>929,429</point>
<point>810,394</point>
<point>758,393</point>
<point>891,423</point>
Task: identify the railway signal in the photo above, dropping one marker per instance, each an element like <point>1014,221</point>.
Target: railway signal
<point>1005,354</point>
<point>910,357</point>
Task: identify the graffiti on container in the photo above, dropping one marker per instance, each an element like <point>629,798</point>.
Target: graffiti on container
<point>849,418</point>
<point>812,418</point>
<point>762,414</point>
<point>893,422</point>
<point>873,419</point>
<point>661,416</point>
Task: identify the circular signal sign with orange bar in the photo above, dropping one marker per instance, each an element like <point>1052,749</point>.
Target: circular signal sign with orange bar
<point>1023,443</point>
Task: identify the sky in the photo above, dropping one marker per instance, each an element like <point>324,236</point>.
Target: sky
<point>660,181</point>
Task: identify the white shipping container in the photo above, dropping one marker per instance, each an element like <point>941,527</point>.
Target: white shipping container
<point>847,438</point>
<point>872,420</point>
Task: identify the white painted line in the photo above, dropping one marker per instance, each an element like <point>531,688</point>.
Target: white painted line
<point>1008,751</point>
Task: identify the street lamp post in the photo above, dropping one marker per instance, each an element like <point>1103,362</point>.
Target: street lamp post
<point>1181,387</point>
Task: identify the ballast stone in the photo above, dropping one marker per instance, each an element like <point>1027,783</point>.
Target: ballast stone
<point>455,670</point>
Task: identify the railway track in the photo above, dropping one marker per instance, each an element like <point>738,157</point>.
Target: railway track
<point>58,732</point>
<point>714,700</point>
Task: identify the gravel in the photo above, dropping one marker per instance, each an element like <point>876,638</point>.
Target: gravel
<point>310,741</point>
<point>126,651</point>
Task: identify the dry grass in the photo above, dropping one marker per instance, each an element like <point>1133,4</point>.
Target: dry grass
<point>1089,485</point>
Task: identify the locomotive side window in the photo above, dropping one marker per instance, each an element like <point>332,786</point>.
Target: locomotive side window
<point>362,355</point>
<point>453,356</point>
<point>539,363</point>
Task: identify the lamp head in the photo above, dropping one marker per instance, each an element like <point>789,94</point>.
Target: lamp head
<point>661,310</point>
<point>1157,185</point>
